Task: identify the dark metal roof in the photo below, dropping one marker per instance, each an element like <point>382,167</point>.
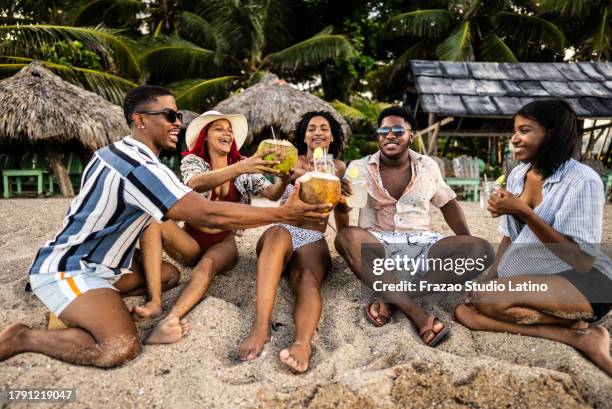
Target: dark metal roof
<point>490,89</point>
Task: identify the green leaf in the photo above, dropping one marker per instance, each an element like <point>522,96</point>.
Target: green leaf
<point>457,46</point>
<point>200,94</point>
<point>115,49</point>
<point>310,52</point>
<point>527,29</point>
<point>172,57</point>
<point>419,23</point>
<point>570,8</point>
<point>93,12</point>
<point>601,38</point>
<point>196,29</point>
<point>495,49</point>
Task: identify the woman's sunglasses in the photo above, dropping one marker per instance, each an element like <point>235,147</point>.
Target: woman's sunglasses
<point>396,131</point>
<point>171,116</point>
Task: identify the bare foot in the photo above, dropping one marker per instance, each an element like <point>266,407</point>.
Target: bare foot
<point>252,345</point>
<point>595,344</point>
<point>144,312</point>
<point>169,330</point>
<point>381,312</point>
<point>297,356</point>
<point>10,340</point>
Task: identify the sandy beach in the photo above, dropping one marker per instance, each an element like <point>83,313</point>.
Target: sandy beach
<point>354,364</point>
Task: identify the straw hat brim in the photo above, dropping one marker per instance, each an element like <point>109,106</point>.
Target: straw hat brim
<point>240,127</point>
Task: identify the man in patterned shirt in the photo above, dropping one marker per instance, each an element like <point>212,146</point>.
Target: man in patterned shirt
<point>78,275</point>
<point>396,222</point>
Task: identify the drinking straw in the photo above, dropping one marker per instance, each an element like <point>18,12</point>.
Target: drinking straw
<point>273,136</point>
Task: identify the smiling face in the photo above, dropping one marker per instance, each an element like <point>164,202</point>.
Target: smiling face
<point>318,133</point>
<point>220,137</point>
<point>391,145</point>
<point>527,139</point>
<point>160,132</point>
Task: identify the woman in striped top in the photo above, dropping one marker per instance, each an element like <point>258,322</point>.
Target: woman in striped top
<point>552,281</point>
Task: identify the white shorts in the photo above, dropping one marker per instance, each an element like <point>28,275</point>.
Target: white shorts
<point>301,237</point>
<point>58,290</point>
<point>413,245</point>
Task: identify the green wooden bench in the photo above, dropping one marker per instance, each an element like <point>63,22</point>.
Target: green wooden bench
<point>19,174</point>
<point>472,184</point>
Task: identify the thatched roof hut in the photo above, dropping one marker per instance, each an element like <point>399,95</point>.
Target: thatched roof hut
<point>273,102</point>
<point>38,107</point>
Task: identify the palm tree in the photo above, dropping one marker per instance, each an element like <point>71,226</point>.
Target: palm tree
<point>460,30</point>
<point>217,37</point>
<point>118,69</point>
<point>588,22</point>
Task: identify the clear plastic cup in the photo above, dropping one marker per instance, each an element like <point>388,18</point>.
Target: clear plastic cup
<point>486,190</point>
<point>359,198</point>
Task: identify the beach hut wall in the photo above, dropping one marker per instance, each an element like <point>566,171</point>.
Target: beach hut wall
<point>274,102</point>
<point>38,107</point>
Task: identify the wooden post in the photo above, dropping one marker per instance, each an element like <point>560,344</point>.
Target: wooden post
<point>60,171</point>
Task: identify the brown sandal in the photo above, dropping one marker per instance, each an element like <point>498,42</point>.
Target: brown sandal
<point>384,319</point>
<point>429,327</point>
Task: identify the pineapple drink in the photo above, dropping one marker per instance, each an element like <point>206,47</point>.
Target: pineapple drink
<point>359,186</point>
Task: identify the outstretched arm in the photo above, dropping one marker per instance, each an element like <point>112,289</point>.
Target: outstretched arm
<point>200,212</point>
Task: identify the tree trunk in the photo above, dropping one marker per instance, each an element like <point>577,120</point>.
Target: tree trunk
<point>60,171</point>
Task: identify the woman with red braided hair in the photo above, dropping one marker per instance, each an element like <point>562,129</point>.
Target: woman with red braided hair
<point>213,167</point>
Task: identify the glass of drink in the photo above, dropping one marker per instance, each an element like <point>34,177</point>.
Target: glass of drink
<point>486,190</point>
<point>359,187</point>
<point>325,164</point>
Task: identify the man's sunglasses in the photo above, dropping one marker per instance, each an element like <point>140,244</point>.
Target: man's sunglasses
<point>396,131</point>
<point>171,116</point>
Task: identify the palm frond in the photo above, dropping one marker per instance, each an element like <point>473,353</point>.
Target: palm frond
<point>495,49</point>
<point>172,57</point>
<point>109,86</point>
<point>416,51</point>
<point>115,49</point>
<point>312,51</point>
<point>457,46</point>
<point>569,8</point>
<point>200,94</point>
<point>528,29</point>
<point>419,23</point>
<point>370,109</point>
<point>601,38</point>
<point>350,113</point>
<point>196,29</point>
<point>92,13</point>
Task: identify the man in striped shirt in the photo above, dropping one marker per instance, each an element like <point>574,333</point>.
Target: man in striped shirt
<point>78,275</point>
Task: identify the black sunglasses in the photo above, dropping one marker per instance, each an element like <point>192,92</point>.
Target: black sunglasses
<point>171,116</point>
<point>396,131</point>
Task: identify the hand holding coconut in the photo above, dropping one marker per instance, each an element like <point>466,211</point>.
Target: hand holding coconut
<point>257,163</point>
<point>301,211</point>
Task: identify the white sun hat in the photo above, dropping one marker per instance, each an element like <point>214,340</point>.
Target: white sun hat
<point>240,127</point>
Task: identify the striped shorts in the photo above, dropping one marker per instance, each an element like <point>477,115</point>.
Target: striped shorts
<point>58,290</point>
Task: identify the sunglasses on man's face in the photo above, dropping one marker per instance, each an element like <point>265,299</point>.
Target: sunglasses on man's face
<point>170,115</point>
<point>395,130</point>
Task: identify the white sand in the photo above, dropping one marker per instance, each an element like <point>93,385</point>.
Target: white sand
<point>354,364</point>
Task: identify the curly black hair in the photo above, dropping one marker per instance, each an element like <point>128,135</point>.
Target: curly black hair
<point>299,131</point>
<point>139,96</point>
<point>562,132</point>
<point>397,110</point>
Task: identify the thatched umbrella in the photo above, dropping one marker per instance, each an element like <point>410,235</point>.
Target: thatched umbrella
<point>38,106</point>
<point>273,102</point>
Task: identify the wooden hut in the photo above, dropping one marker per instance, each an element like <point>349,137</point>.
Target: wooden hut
<point>482,97</point>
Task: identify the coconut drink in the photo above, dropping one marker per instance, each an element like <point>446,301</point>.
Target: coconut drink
<point>284,151</point>
<point>319,188</point>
